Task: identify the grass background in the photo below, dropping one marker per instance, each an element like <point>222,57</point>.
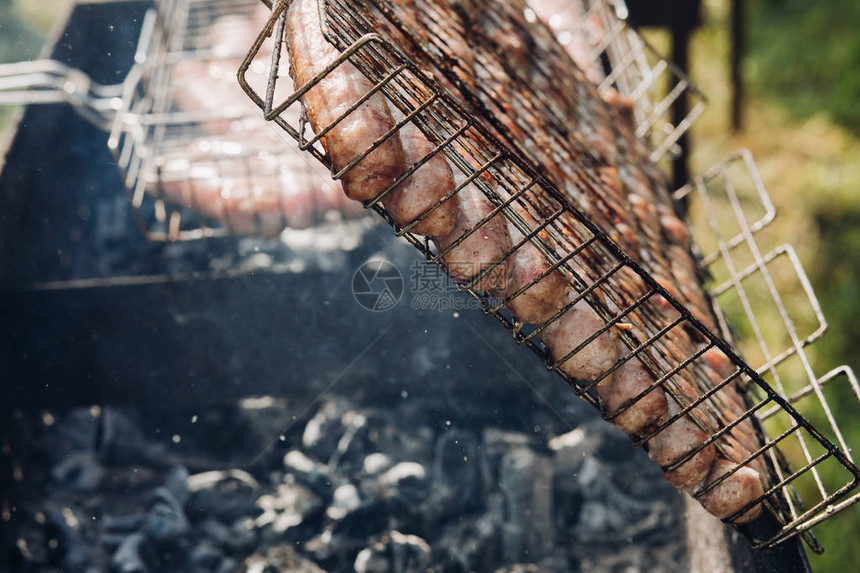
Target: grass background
<point>803,128</point>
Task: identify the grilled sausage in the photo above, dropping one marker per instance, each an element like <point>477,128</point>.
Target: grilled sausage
<point>734,493</point>
<point>674,443</point>
<point>540,301</point>
<point>569,331</point>
<point>483,249</point>
<point>429,184</point>
<point>627,383</point>
<point>310,53</point>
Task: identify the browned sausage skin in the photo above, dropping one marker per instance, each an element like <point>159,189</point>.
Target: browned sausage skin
<point>417,195</point>
<point>627,384</point>
<point>353,135</point>
<point>537,291</point>
<point>675,442</point>
<point>484,251</point>
<point>734,493</point>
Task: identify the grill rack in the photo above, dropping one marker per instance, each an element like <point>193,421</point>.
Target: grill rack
<point>625,62</point>
<point>475,150</point>
<point>632,67</point>
<point>154,128</point>
<point>150,130</point>
<point>146,124</point>
<point>745,275</point>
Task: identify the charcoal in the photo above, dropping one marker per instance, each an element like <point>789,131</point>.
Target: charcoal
<point>166,520</point>
<point>495,442</point>
<point>120,524</point>
<point>176,483</point>
<point>345,500</point>
<point>121,441</point>
<point>519,568</point>
<point>244,534</point>
<point>350,447</point>
<point>610,511</point>
<point>611,444</point>
<point>324,430</point>
<point>469,544</point>
<point>394,495</point>
<point>227,496</point>
<point>287,507</point>
<point>328,550</point>
<point>400,437</point>
<point>228,565</point>
<point>525,481</point>
<point>376,463</point>
<point>309,473</point>
<point>280,559</point>
<point>370,517</point>
<point>403,486</point>
<point>570,451</point>
<point>79,471</point>
<point>378,489</point>
<point>216,532</point>
<point>65,526</point>
<point>263,418</point>
<point>205,556</point>
<point>394,552</point>
<point>128,558</point>
<point>457,466</point>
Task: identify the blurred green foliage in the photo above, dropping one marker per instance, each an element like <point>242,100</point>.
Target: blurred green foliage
<point>807,55</point>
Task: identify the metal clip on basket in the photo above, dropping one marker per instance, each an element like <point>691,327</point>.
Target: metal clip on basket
<point>581,244</point>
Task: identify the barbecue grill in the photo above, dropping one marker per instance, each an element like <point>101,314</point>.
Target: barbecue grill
<point>477,143</point>
<point>138,131</point>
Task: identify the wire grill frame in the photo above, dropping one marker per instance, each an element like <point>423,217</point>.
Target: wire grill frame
<point>474,150</point>
<point>167,148</point>
<point>149,122</point>
<point>752,212</point>
<point>152,125</point>
<point>623,61</point>
<point>144,120</point>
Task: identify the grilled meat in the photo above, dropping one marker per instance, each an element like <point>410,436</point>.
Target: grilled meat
<point>420,192</point>
<point>351,136</point>
<point>528,93</point>
<point>230,168</point>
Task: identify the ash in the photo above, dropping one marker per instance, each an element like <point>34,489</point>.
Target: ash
<point>402,483</point>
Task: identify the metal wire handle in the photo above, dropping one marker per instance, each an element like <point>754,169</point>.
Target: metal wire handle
<point>748,277</point>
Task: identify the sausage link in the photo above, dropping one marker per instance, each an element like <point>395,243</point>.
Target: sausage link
<point>547,295</point>
<point>734,493</point>
<point>483,249</point>
<point>424,188</point>
<point>675,442</point>
<point>310,53</point>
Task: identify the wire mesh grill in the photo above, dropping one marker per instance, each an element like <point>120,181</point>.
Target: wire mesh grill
<point>576,230</point>
<point>615,57</point>
<point>182,149</point>
<point>198,160</point>
<point>198,165</point>
<point>775,315</point>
